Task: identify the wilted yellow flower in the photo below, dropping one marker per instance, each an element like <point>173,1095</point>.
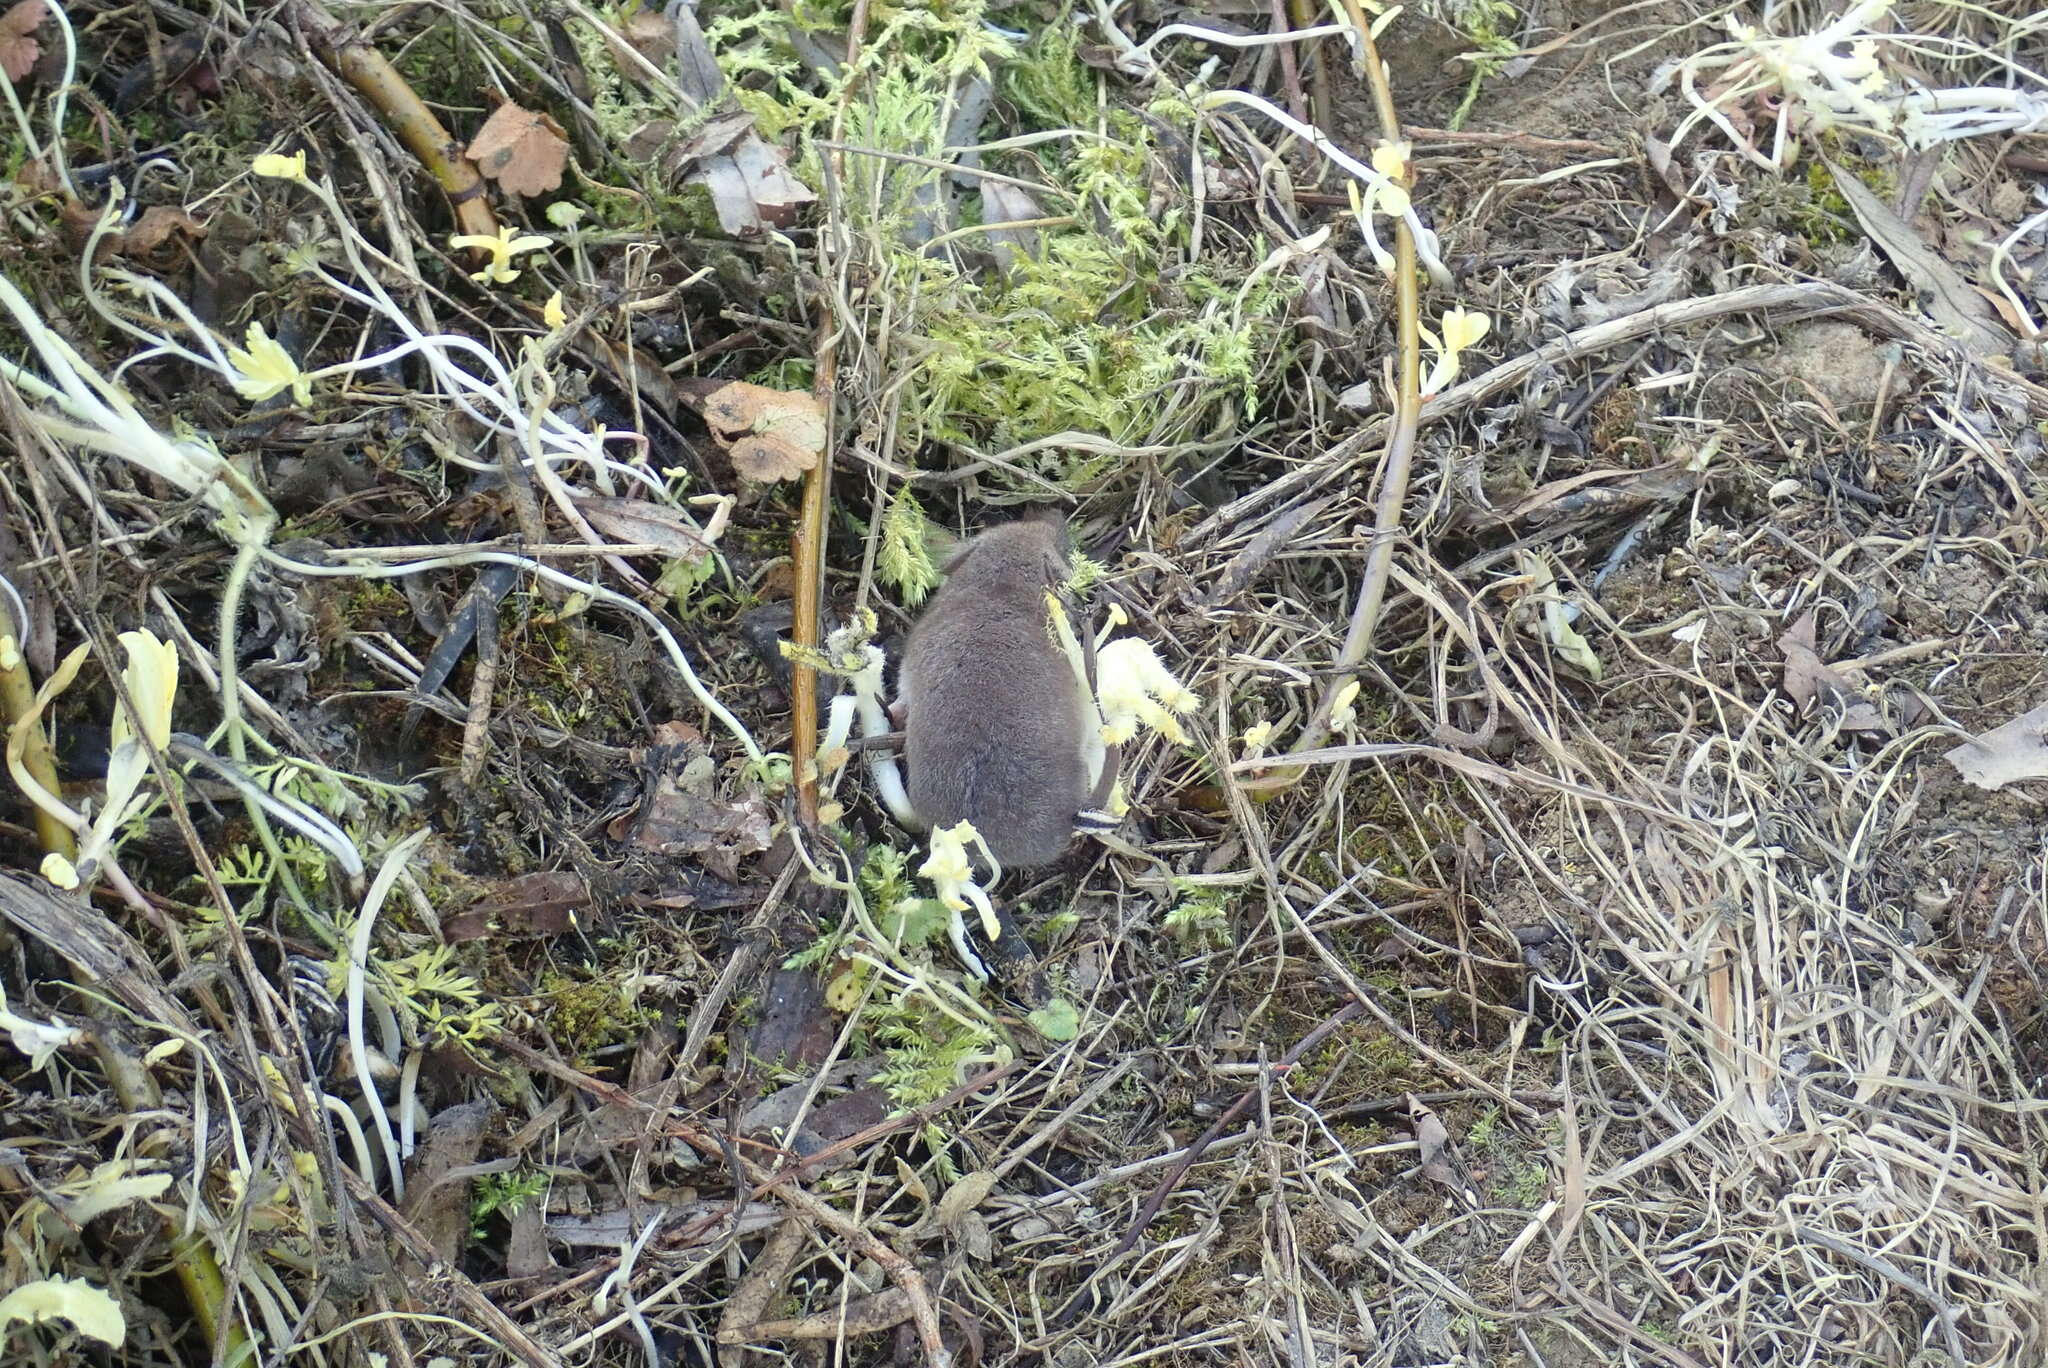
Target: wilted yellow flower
<point>1462,328</point>
<point>150,682</point>
<point>1257,735</point>
<point>59,871</point>
<point>1391,161</point>
<point>952,874</point>
<point>553,314</point>
<point>264,368</point>
<point>277,166</point>
<point>1344,709</point>
<point>1134,689</point>
<point>503,246</point>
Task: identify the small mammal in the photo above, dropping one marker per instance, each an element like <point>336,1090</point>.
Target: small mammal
<point>994,716</point>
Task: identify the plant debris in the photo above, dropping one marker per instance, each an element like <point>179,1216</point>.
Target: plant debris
<point>1570,610</point>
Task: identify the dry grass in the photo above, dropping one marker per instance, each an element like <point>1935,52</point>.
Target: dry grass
<point>1688,1015</point>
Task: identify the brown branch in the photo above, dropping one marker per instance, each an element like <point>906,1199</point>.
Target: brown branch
<point>1400,455</point>
<point>377,81</point>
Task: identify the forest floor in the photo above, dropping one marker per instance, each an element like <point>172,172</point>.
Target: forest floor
<point>439,937</point>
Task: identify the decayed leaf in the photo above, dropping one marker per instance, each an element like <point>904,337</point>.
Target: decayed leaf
<point>644,38</point>
<point>2006,754</point>
<point>748,178</point>
<point>773,194</point>
<point>1807,677</point>
<point>543,903</point>
<point>522,151</point>
<point>681,813</point>
<point>155,228</point>
<point>1005,203</point>
<point>1944,294</point>
<point>18,47</point>
<point>643,523</point>
<point>964,1196</point>
<point>770,434</point>
<point>1433,1142</point>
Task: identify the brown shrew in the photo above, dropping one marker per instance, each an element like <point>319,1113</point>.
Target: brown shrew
<point>994,715</point>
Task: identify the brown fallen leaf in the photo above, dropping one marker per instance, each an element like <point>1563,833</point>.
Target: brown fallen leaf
<point>18,46</point>
<point>644,38</point>
<point>770,434</point>
<point>2006,754</point>
<point>158,224</point>
<point>437,1178</point>
<point>1433,1142</point>
<point>680,814</point>
<point>1807,677</point>
<point>540,904</point>
<point>522,151</point>
<point>641,523</point>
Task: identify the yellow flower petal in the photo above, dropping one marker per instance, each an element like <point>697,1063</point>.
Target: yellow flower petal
<point>1343,708</point>
<point>553,314</point>
<point>277,166</point>
<point>1391,159</point>
<point>152,681</point>
<point>502,247</point>
<point>264,369</point>
<point>1463,328</point>
<point>58,871</point>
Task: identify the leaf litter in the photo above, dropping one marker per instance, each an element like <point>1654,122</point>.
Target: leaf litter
<point>1573,941</point>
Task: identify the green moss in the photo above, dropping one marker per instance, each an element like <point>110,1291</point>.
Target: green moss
<point>1107,327</point>
<point>585,1016</point>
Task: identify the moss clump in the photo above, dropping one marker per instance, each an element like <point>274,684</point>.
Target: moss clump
<point>1109,324</point>
<point>585,1016</point>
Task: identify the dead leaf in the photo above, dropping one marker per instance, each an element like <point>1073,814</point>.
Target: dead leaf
<point>641,523</point>
<point>752,187</point>
<point>770,434</point>
<point>526,1245</point>
<point>964,1196</point>
<point>1005,203</point>
<point>647,33</point>
<point>522,151</point>
<point>766,1276</point>
<point>633,368</point>
<point>1807,677</point>
<point>697,70</point>
<point>539,904</point>
<point>680,814</point>
<point>156,227</point>
<point>650,141</point>
<point>2006,754</point>
<point>796,1026</point>
<point>855,1316</point>
<point>437,1182</point>
<point>748,178</point>
<point>18,46</point>
<point>1433,1142</point>
<point>1944,294</point>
